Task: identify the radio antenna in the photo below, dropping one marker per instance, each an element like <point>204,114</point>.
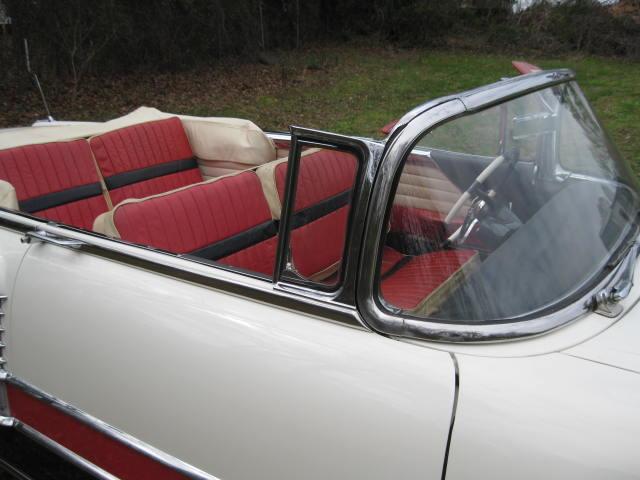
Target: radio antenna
<point>36,81</point>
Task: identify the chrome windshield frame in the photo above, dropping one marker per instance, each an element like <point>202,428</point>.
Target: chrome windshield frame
<point>401,141</point>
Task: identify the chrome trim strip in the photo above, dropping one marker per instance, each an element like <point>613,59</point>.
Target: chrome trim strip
<point>219,277</point>
<point>400,144</point>
<point>7,421</point>
<point>63,452</point>
<point>110,431</point>
<point>283,136</point>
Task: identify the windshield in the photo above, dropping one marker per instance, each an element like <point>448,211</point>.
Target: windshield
<point>506,213</point>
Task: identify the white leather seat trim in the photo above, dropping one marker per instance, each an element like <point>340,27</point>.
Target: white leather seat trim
<point>8,197</point>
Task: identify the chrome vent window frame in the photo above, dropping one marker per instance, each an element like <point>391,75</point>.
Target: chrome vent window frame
<point>368,154</point>
<point>388,321</point>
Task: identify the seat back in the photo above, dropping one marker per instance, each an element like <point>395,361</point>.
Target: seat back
<point>145,159</point>
<point>58,181</point>
<point>423,199</point>
<point>323,195</point>
<point>226,219</point>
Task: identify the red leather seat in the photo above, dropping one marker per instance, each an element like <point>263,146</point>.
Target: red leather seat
<point>58,181</point>
<point>145,159</point>
<point>325,182</point>
<point>418,280</point>
<point>226,219</point>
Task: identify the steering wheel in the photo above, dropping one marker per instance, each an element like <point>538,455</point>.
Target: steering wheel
<point>478,207</point>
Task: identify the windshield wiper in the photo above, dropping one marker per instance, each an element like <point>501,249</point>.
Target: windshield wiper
<point>607,301</point>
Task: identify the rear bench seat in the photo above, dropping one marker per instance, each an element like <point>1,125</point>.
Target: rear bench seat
<point>226,219</point>
<point>56,180</point>
<point>145,159</point>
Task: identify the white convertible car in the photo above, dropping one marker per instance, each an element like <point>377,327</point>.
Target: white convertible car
<point>191,297</point>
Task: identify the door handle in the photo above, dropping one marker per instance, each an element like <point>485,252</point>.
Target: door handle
<point>46,237</point>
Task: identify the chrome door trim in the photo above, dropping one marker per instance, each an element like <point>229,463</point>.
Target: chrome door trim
<point>42,236</point>
<point>219,277</point>
<point>400,144</point>
<point>100,426</point>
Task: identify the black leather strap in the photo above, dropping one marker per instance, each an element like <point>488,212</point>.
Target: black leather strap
<point>55,199</point>
<point>319,210</point>
<point>238,242</point>
<point>134,176</point>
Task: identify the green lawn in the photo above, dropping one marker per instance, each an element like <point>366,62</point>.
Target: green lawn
<point>354,89</point>
<point>362,89</point>
<point>366,89</point>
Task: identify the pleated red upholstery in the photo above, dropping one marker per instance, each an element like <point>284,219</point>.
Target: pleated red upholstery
<point>422,275</point>
<point>140,146</point>
<point>201,215</point>
<point>322,175</point>
<point>319,244</point>
<point>37,170</point>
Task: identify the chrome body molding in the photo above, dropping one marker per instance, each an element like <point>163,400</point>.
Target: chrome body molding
<point>100,426</point>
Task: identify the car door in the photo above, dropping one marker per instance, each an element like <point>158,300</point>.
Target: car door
<point>209,371</point>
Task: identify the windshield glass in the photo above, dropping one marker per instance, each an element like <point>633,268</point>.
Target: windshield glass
<point>506,213</point>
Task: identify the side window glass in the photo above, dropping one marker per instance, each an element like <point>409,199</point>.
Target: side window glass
<point>477,136</point>
<point>322,187</point>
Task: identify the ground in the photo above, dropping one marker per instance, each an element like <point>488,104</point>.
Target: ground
<point>352,90</point>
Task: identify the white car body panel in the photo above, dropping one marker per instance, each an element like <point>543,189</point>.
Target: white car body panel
<point>230,378</point>
<point>541,417</point>
<point>619,346</point>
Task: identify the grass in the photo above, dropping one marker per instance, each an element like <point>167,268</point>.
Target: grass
<point>351,90</point>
